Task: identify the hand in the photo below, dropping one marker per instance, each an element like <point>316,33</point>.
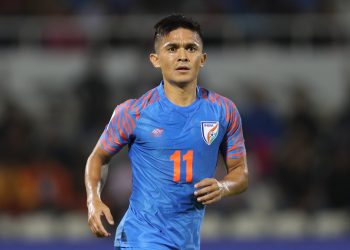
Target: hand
<point>96,209</point>
<point>209,190</point>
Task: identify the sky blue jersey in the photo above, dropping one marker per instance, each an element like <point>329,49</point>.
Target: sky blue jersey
<point>170,149</point>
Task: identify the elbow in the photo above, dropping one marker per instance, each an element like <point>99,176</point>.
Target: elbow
<point>245,181</point>
<point>90,159</point>
<point>97,157</point>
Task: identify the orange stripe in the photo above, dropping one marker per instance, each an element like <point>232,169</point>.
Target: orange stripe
<point>128,126</point>
<point>125,123</point>
<point>232,148</point>
<point>218,99</point>
<point>237,154</point>
<point>137,113</point>
<point>115,140</point>
<point>126,105</point>
<point>145,99</point>
<point>231,128</point>
<point>133,106</point>
<point>143,103</point>
<point>152,100</point>
<point>120,130</point>
<point>149,95</point>
<point>104,143</point>
<point>109,139</point>
<point>132,122</point>
<point>227,117</point>
<point>109,148</point>
<point>212,99</point>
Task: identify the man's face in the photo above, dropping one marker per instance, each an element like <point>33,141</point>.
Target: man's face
<point>180,55</point>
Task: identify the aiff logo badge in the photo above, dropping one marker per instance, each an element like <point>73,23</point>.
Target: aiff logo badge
<point>210,131</point>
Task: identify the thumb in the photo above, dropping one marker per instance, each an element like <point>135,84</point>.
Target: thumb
<point>108,216</point>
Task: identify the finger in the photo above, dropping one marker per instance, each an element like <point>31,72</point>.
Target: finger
<point>212,201</point>
<point>99,235</point>
<point>100,228</point>
<point>209,196</point>
<point>204,182</point>
<point>96,225</point>
<point>108,216</point>
<point>102,231</point>
<point>94,230</point>
<point>92,225</point>
<point>206,190</point>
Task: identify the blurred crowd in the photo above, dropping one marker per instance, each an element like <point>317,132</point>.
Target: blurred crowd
<point>77,23</point>
<point>73,7</point>
<point>302,154</point>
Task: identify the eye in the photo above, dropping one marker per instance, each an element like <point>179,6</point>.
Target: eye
<point>171,49</point>
<point>192,48</point>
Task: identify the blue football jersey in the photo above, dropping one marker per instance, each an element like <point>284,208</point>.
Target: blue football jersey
<point>170,149</point>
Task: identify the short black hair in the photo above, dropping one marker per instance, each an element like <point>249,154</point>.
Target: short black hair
<point>173,22</point>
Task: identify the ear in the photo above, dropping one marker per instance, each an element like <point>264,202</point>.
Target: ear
<point>203,59</point>
<point>153,57</point>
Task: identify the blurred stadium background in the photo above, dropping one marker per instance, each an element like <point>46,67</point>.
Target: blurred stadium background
<point>66,64</point>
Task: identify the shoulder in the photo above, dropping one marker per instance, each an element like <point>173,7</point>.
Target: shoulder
<point>224,106</point>
<point>216,99</point>
<point>135,106</point>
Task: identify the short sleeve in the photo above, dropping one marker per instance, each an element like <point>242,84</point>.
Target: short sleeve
<point>232,145</point>
<point>119,129</point>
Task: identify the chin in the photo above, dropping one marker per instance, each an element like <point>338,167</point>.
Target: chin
<point>182,80</point>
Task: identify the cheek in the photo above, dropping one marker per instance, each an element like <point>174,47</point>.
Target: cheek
<point>166,62</point>
<point>197,61</point>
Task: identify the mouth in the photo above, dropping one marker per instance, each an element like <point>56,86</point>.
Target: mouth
<point>182,69</point>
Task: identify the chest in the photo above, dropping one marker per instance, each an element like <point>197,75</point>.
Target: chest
<point>163,129</point>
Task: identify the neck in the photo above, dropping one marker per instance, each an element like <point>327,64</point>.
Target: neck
<point>181,95</point>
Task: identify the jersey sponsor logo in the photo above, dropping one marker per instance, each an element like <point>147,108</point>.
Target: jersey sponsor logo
<point>210,131</point>
<point>157,132</point>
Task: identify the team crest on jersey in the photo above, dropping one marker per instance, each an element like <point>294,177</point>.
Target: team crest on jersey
<point>210,131</point>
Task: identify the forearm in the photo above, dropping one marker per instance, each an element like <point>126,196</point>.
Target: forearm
<point>236,180</point>
<point>93,176</point>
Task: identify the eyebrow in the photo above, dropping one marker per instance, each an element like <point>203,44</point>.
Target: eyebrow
<point>177,44</point>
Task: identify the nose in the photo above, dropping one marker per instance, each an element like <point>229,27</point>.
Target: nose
<point>182,55</point>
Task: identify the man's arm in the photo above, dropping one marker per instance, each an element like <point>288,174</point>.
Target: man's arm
<point>210,190</point>
<point>95,173</point>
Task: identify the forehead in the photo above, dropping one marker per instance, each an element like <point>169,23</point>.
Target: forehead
<point>181,35</point>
